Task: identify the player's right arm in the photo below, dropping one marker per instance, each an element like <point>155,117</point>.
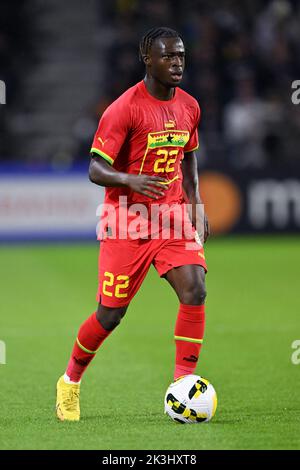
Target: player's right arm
<point>114,127</point>
<point>103,174</point>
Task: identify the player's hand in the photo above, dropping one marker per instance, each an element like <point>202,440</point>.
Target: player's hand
<point>199,221</point>
<point>204,231</point>
<point>150,186</point>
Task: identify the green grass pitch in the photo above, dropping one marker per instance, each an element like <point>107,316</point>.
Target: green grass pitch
<point>253,308</point>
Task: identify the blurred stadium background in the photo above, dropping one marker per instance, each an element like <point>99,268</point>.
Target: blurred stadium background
<point>62,64</point>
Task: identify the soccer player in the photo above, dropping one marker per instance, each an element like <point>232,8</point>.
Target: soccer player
<point>144,153</point>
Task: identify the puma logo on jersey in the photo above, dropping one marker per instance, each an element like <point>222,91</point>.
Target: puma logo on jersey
<point>102,141</point>
<point>170,124</point>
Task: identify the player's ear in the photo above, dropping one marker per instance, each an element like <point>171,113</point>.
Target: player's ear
<point>146,59</point>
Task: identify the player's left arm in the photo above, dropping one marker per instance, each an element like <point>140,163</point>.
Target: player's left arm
<point>191,187</point>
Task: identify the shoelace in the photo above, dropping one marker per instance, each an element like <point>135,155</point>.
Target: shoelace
<point>70,399</point>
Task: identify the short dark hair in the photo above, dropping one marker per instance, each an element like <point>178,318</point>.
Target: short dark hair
<point>154,33</point>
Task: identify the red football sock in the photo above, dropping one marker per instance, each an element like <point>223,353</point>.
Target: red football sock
<point>189,331</point>
<point>90,336</point>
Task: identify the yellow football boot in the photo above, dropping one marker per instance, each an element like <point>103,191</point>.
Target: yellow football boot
<point>67,401</point>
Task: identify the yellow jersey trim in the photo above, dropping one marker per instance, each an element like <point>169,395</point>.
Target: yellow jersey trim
<point>192,150</point>
<point>170,181</point>
<point>103,155</point>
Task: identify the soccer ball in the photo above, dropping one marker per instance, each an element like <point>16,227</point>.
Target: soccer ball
<point>191,399</point>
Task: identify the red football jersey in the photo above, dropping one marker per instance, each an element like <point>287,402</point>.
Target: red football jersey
<point>140,134</point>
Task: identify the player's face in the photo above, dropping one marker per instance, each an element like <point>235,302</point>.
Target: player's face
<point>166,61</point>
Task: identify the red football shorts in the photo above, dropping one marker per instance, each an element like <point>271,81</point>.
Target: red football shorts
<point>123,264</point>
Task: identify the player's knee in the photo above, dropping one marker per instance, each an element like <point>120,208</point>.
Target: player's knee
<point>110,318</point>
<point>110,321</point>
<point>194,294</point>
